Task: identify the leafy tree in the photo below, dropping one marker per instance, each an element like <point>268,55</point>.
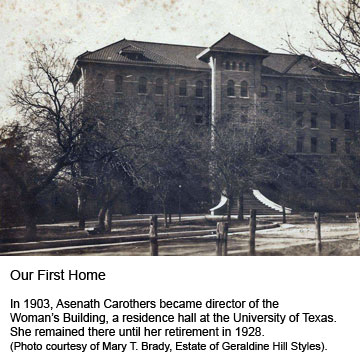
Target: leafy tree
<point>248,149</point>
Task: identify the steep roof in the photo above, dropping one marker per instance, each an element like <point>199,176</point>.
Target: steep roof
<point>184,56</point>
<point>231,42</point>
<point>156,53</point>
<point>301,65</point>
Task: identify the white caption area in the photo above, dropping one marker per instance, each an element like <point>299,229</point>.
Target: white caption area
<point>316,286</point>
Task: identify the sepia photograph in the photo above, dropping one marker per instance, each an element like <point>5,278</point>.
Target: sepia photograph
<point>180,128</point>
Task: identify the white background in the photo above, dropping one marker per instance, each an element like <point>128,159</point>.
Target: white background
<point>300,284</point>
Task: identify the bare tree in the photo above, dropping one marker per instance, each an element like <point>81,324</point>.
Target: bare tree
<point>340,35</point>
<point>51,126</point>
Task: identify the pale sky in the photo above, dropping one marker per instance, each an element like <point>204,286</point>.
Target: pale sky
<point>92,24</point>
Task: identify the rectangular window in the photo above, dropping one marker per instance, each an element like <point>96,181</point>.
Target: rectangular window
<point>299,119</point>
<point>333,121</point>
<point>159,112</point>
<point>313,96</point>
<point>198,119</point>
<point>199,115</point>
<point>183,110</point>
<point>314,144</point>
<point>333,99</point>
<point>313,120</point>
<point>333,143</point>
<point>299,144</point>
<point>347,146</point>
<point>347,122</point>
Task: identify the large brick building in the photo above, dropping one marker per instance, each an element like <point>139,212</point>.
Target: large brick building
<point>317,101</point>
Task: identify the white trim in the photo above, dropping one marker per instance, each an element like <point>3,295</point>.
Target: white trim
<point>269,203</point>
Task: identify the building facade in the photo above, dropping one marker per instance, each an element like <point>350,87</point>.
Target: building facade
<point>318,102</point>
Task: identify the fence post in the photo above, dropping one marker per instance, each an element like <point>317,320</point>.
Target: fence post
<point>283,214</point>
<point>221,238</point>
<point>154,248</point>
<point>318,245</point>
<point>252,227</point>
<point>357,217</point>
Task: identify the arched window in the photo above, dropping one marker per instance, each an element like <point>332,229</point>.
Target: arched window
<point>199,92</point>
<point>244,89</point>
<point>278,94</point>
<point>234,66</point>
<point>264,91</point>
<point>159,86</point>
<point>230,88</point>
<point>142,85</point>
<point>227,65</point>
<point>247,67</point>
<point>100,81</point>
<point>241,66</point>
<point>118,83</point>
<point>299,94</point>
<point>183,88</point>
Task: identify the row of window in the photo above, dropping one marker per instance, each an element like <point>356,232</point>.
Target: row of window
<point>159,86</point>
<point>234,66</point>
<point>199,117</point>
<point>244,89</point>
<point>314,145</point>
<point>333,97</point>
<point>230,90</point>
<point>314,120</point>
<point>199,89</point>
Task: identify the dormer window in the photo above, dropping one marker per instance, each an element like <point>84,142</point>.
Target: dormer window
<point>134,54</point>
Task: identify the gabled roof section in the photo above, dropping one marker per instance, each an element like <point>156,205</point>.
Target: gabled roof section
<point>301,65</point>
<point>231,42</point>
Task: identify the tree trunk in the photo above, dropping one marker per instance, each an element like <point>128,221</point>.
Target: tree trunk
<point>252,227</point>
<point>240,206</point>
<point>318,245</point>
<point>357,217</point>
<point>108,218</point>
<point>30,214</point>
<point>30,227</point>
<point>101,219</point>
<point>283,214</point>
<point>81,196</point>
<point>170,221</point>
